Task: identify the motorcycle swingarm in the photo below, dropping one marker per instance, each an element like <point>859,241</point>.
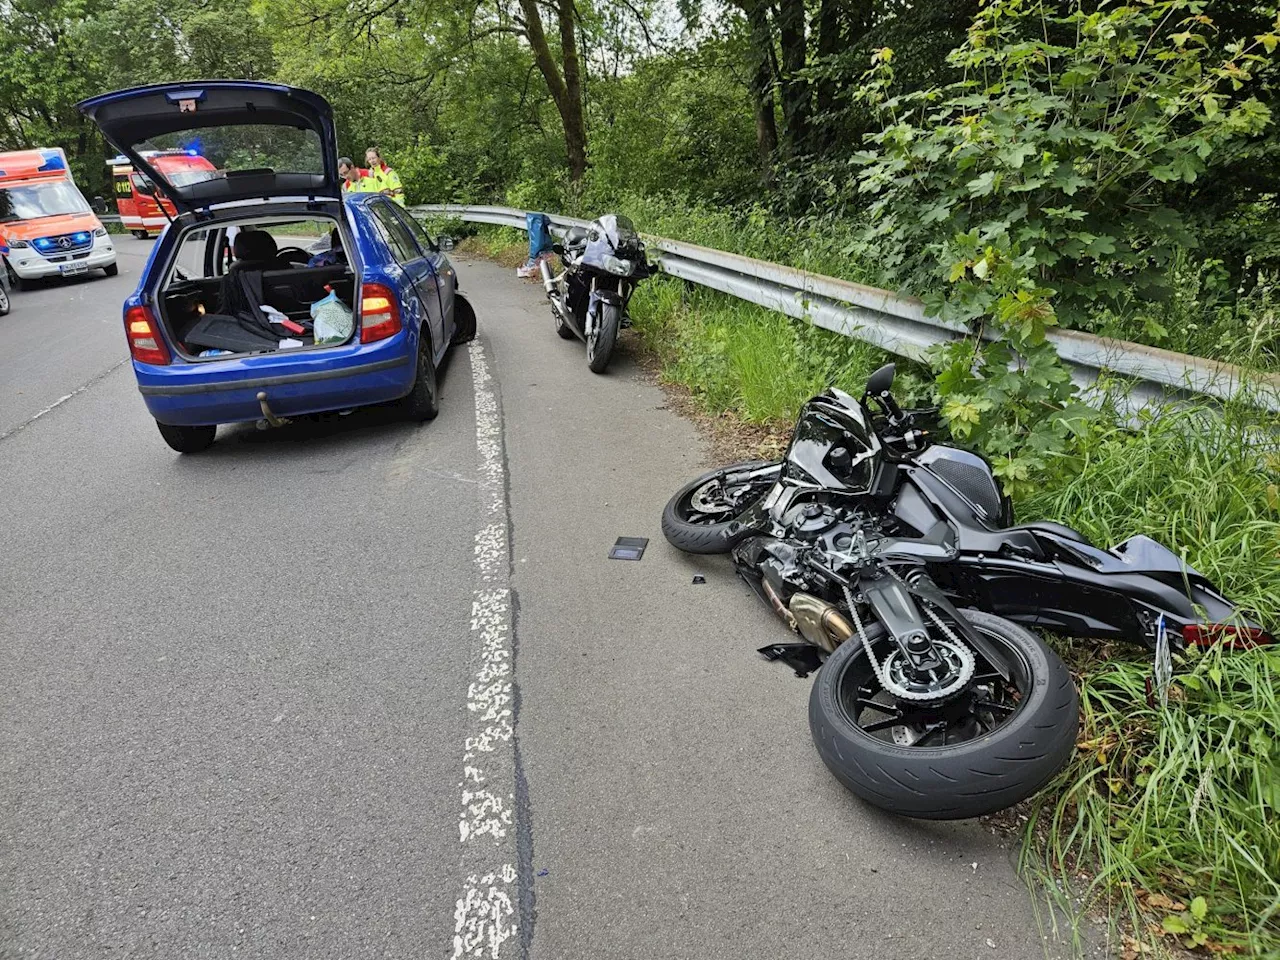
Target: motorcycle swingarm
<point>894,605</point>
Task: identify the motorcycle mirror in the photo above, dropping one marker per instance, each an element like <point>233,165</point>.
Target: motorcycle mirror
<point>881,381</point>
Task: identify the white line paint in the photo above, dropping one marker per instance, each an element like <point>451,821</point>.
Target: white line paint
<point>61,400</point>
<point>486,917</point>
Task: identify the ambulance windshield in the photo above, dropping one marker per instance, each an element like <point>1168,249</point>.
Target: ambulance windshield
<point>31,201</point>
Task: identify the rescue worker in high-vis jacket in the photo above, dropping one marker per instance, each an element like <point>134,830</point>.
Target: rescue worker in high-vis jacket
<point>385,180</point>
<point>354,180</point>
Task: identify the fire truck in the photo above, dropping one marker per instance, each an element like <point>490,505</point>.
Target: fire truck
<point>141,211</point>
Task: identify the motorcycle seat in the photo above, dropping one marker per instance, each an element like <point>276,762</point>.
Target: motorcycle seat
<point>575,237</point>
<point>1049,526</point>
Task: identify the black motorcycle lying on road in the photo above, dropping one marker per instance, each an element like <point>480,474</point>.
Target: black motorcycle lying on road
<point>603,262</point>
<point>898,563</point>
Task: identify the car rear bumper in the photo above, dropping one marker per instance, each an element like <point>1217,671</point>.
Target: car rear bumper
<point>226,391</point>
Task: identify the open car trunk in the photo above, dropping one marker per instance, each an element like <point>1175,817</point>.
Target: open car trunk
<point>249,306</point>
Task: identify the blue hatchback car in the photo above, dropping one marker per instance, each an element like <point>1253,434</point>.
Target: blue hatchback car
<point>236,316</point>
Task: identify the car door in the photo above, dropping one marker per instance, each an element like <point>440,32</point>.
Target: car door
<point>418,270</point>
<point>439,261</point>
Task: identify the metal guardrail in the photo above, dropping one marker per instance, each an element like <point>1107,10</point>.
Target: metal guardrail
<point>108,218</point>
<point>899,325</point>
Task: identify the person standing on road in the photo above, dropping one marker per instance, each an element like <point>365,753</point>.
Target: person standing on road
<point>385,180</point>
<point>354,180</point>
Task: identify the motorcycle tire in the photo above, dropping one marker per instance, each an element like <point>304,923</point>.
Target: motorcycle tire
<point>978,776</point>
<point>601,342</point>
<point>685,533</point>
<point>4,301</point>
<point>563,330</point>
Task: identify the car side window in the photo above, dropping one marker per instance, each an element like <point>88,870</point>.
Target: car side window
<point>394,233</point>
<point>417,230</point>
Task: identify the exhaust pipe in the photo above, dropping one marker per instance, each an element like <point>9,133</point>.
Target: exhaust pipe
<point>548,282</point>
<point>819,622</point>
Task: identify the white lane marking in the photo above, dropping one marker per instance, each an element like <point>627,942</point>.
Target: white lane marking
<point>486,913</point>
<point>61,400</point>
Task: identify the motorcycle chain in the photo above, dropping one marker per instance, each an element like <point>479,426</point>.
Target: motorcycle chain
<point>967,660</point>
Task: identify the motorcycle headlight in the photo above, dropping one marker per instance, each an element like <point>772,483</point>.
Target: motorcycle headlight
<point>100,232</point>
<point>615,265</point>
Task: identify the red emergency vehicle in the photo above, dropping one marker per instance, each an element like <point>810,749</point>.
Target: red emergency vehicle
<point>140,213</point>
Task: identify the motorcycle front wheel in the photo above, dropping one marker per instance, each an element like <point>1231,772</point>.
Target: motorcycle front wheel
<point>601,340</point>
<point>993,744</point>
<point>696,519</point>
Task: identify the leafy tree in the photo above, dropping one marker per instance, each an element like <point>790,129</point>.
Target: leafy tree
<point>1032,189</point>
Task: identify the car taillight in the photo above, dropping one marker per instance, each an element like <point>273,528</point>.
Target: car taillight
<point>1227,635</point>
<point>145,342</point>
<point>379,313</point>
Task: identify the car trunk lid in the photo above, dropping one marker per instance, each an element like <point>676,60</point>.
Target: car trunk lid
<point>264,141</point>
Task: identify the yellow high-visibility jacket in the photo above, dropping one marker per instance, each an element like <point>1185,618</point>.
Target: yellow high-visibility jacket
<point>384,178</point>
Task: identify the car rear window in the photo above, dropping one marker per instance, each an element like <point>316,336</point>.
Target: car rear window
<point>239,149</point>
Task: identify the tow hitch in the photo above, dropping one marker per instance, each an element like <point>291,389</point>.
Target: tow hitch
<point>270,419</point>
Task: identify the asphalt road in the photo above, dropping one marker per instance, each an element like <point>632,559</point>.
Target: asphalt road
<point>235,713</point>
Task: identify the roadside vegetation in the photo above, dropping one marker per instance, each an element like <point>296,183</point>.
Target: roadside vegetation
<point>1017,164</point>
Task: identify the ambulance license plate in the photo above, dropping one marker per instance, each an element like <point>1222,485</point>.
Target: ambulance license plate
<point>72,269</point>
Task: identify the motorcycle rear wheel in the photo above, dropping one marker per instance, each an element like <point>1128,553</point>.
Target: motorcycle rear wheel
<point>1028,736</point>
<point>563,330</point>
<point>697,518</point>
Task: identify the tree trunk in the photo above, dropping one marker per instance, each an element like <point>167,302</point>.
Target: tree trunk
<point>575,130</point>
<point>566,90</point>
<point>761,87</point>
<point>840,24</point>
<point>795,90</point>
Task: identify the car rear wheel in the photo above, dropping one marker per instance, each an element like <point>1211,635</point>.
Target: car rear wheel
<point>422,403</point>
<point>187,439</point>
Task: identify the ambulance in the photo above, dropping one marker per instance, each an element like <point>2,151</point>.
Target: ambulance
<point>48,226</point>
<point>140,210</point>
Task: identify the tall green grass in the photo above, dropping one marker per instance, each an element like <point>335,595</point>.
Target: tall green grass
<point>1178,802</point>
<point>738,357</point>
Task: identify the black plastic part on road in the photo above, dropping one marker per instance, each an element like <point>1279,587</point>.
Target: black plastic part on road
<point>971,779</point>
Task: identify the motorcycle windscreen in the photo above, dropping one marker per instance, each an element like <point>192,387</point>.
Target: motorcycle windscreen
<point>257,140</point>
